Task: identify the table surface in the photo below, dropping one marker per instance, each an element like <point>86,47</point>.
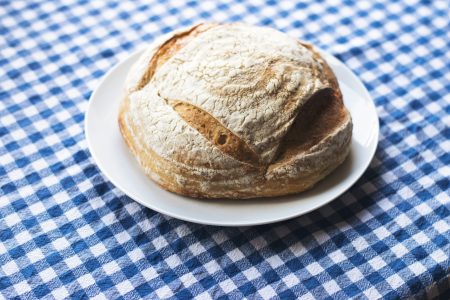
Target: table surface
<point>65,231</point>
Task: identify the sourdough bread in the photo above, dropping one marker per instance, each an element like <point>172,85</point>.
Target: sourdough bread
<point>234,111</point>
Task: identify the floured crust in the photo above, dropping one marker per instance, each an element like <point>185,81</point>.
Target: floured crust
<point>234,111</point>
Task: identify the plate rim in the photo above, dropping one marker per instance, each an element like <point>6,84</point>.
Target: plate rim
<point>319,204</point>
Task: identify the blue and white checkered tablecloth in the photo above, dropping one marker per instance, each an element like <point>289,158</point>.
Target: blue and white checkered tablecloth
<point>65,231</point>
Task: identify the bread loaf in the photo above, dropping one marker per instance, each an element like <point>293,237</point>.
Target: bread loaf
<point>234,111</point>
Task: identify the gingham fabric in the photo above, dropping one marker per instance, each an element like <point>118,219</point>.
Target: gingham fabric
<point>65,231</point>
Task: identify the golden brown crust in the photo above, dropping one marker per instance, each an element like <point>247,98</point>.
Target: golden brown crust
<point>316,143</point>
<point>217,133</point>
<point>317,119</point>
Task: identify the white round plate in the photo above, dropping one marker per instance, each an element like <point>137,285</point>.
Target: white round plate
<point>117,163</point>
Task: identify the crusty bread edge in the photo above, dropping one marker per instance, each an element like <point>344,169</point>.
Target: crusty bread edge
<point>163,172</point>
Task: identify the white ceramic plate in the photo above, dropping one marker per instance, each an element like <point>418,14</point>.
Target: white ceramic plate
<point>116,162</point>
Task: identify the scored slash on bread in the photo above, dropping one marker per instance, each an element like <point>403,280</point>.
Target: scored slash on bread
<point>234,111</point>
<point>215,132</point>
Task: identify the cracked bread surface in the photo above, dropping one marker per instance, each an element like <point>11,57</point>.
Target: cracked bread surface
<point>234,111</point>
